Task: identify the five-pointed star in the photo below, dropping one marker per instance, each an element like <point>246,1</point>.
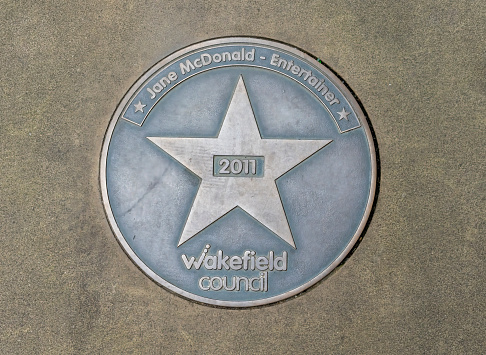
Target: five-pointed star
<point>139,106</point>
<point>258,196</point>
<point>343,114</point>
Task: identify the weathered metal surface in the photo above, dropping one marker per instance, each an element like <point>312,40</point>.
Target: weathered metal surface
<point>238,172</point>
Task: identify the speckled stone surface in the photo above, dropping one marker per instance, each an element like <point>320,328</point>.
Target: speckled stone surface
<point>413,285</point>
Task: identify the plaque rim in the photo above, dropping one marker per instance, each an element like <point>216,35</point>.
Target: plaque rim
<point>339,83</point>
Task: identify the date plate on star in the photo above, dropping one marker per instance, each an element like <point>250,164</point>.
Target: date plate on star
<point>239,165</point>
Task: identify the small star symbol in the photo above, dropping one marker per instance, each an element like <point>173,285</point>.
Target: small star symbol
<point>343,114</point>
<point>139,106</point>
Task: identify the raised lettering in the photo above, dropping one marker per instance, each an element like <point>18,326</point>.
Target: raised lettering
<point>250,56</point>
<point>186,68</point>
<point>225,164</point>
<point>201,286</point>
<point>213,264</point>
<point>250,282</point>
<point>280,262</point>
<point>236,56</point>
<point>220,283</point>
<point>238,166</point>
<point>192,261</point>
<point>306,73</point>
<point>222,260</point>
<point>151,93</point>
<point>235,263</point>
<point>262,263</point>
<point>329,96</point>
<point>295,69</point>
<point>335,101</point>
<point>206,59</point>
<point>172,76</point>
<point>164,82</point>
<point>226,56</point>
<point>157,87</point>
<point>274,59</point>
<point>283,62</point>
<point>313,80</point>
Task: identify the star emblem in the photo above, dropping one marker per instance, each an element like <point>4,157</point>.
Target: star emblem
<point>258,196</point>
<point>139,106</point>
<point>343,114</point>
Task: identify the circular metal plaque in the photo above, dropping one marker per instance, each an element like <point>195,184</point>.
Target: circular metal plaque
<point>238,172</point>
